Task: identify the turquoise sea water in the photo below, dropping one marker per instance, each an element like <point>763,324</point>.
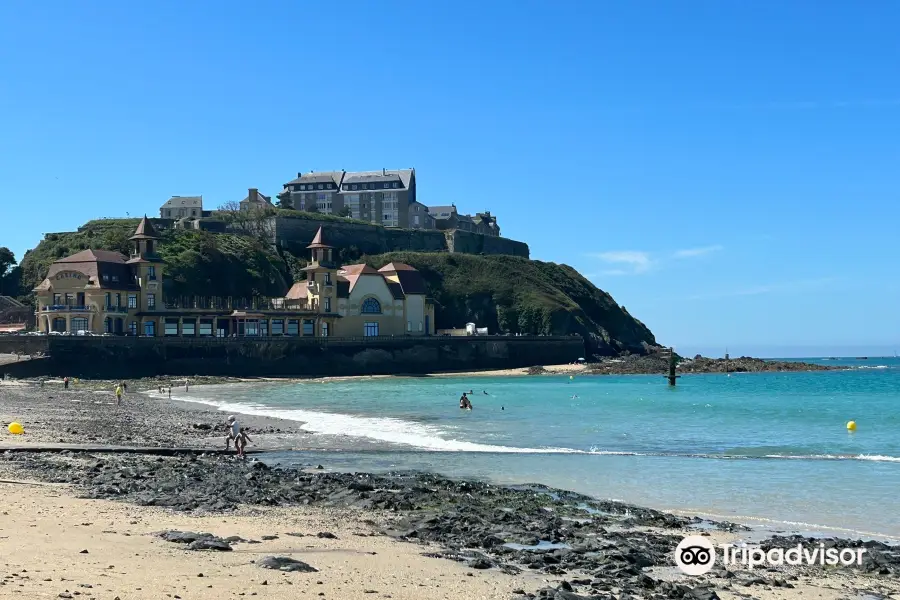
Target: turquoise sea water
<point>771,450</point>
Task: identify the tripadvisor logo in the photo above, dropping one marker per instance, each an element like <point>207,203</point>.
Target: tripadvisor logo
<point>696,555</point>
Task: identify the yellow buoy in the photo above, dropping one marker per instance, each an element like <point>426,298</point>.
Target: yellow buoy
<point>16,428</point>
<point>851,425</point>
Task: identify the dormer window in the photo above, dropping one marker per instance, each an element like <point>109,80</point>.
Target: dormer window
<point>321,186</point>
<point>396,185</point>
<point>353,187</point>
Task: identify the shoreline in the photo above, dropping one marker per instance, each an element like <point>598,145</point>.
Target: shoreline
<point>202,427</point>
<point>541,535</point>
<point>627,365</point>
<point>396,511</point>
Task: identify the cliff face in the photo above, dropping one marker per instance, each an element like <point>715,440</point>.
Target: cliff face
<point>515,295</point>
<point>295,232</point>
<point>506,294</point>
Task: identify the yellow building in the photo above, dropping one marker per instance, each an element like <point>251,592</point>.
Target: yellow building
<point>357,300</point>
<point>102,292</point>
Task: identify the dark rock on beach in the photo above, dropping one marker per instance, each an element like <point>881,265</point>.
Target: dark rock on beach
<point>281,563</point>
<point>600,548</point>
<point>558,532</point>
<point>198,541</point>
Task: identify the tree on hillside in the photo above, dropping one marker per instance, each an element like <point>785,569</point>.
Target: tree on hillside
<point>253,222</point>
<point>285,203</point>
<point>9,280</point>
<point>345,212</point>
<point>7,261</point>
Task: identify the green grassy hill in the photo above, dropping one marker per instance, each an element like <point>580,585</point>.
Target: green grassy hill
<point>517,295</point>
<point>502,293</point>
<point>197,262</point>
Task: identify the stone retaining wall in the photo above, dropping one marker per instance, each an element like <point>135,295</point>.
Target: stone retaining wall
<point>125,358</point>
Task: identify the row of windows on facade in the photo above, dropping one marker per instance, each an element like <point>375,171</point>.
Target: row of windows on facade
<point>190,327</point>
<point>369,306</point>
<point>168,212</point>
<point>78,300</point>
<point>151,276</point>
<point>347,186</point>
<point>387,198</point>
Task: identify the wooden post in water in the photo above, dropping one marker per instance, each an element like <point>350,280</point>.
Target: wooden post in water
<point>672,376</point>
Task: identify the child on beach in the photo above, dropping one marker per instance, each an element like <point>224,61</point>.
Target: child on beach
<point>239,436</point>
<point>118,394</point>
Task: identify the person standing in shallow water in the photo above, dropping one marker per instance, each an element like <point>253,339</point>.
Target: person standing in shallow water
<point>65,383</point>
<point>118,395</point>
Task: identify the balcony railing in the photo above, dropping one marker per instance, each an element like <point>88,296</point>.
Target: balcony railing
<point>116,309</point>
<point>65,308</point>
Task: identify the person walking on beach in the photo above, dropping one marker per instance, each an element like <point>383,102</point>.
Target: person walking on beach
<point>65,383</point>
<point>239,436</point>
<point>233,431</point>
<point>170,392</point>
<point>185,385</point>
<point>118,395</point>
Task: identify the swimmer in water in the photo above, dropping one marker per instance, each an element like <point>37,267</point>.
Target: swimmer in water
<point>574,396</point>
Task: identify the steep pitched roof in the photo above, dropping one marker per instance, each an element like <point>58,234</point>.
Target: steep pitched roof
<point>260,198</point>
<point>360,269</point>
<point>298,291</point>
<point>334,177</point>
<point>403,176</point>
<point>318,241</point>
<point>86,256</point>
<point>395,266</point>
<point>145,231</point>
<point>103,269</point>
<point>396,289</point>
<point>441,212</point>
<point>184,202</point>
<point>352,273</point>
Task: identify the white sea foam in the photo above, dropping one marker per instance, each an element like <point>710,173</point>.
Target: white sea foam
<point>431,438</point>
<point>383,429</point>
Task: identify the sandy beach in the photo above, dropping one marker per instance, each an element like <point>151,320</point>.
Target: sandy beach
<point>45,531</point>
<point>398,536</point>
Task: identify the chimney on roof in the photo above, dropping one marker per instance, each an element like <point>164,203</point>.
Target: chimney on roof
<point>383,171</point>
<point>299,174</point>
<point>253,195</point>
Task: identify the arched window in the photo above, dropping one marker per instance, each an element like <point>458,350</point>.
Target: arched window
<point>370,306</point>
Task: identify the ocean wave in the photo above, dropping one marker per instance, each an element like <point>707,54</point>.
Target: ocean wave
<point>382,429</point>
<point>424,437</point>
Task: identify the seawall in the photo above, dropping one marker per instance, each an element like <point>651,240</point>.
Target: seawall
<point>114,358</point>
<point>295,234</point>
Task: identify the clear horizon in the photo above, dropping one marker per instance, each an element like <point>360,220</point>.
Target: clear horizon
<point>724,171</point>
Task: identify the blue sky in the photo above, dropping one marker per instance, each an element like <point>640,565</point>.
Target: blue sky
<point>726,170</point>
